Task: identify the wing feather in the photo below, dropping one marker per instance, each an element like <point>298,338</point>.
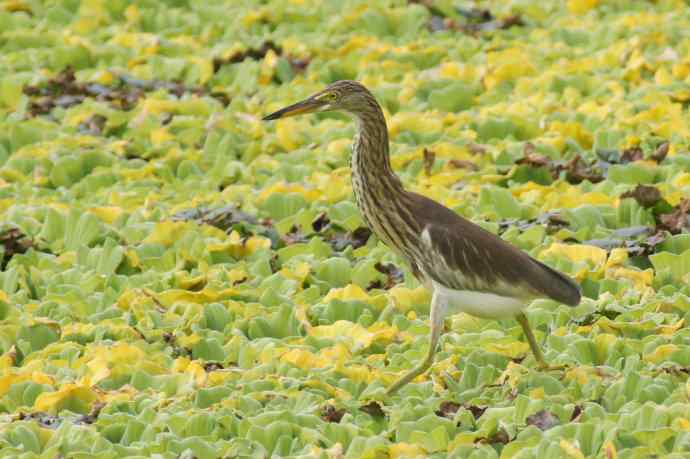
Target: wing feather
<point>463,256</point>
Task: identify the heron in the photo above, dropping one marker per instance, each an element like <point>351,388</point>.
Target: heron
<point>465,267</point>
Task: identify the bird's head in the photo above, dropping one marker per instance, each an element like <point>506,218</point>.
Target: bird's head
<point>344,95</point>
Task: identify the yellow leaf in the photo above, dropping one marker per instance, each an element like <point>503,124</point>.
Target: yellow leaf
<point>671,329</point>
<point>298,272</point>
<point>682,423</point>
<point>98,371</point>
<point>304,359</point>
<point>507,65</point>
<point>309,194</point>
<point>166,232</point>
<point>197,372</point>
<point>406,451</point>
<point>512,374</point>
<point>609,450</point>
<point>288,134</point>
<point>75,397</point>
<point>132,14</point>
<point>511,350</point>
<point>581,6</point>
<point>573,129</point>
<point>160,136</point>
<point>537,394</point>
<point>415,122</point>
<point>571,450</point>
<point>405,298</point>
<point>107,214</point>
<point>661,353</point>
<point>357,373</point>
<point>348,293</point>
<point>617,257</point>
<point>641,279</point>
<point>577,252</point>
<point>361,337</point>
<point>579,374</point>
<point>14,6</point>
<point>8,360</point>
<point>205,67</point>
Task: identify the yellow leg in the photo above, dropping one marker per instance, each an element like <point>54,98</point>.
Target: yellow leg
<point>536,350</point>
<point>438,313</point>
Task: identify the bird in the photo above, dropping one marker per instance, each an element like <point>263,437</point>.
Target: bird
<point>465,267</point>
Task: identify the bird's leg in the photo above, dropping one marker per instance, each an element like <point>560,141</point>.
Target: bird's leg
<point>536,350</point>
<point>438,313</point>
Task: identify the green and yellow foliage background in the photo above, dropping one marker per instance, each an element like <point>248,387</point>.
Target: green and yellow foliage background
<point>130,328</point>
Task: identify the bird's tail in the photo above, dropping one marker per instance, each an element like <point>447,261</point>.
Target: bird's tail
<point>558,286</point>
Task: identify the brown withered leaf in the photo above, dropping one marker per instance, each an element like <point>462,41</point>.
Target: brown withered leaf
<point>393,274</point>
<point>299,65</point>
<point>476,14</point>
<point>476,149</point>
<point>43,419</point>
<point>463,164</point>
<point>63,90</point>
<point>649,244</point>
<point>543,420</point>
<point>534,160</point>
<point>356,238</point>
<point>675,221</point>
<point>447,409</point>
<point>577,412</point>
<point>553,221</point>
<point>329,413</point>
<point>251,53</point>
<point>476,411</point>
<point>93,125</point>
<point>224,217</point>
<point>373,409</point>
<point>213,366</point>
<point>476,20</point>
<point>429,160</point>
<point>93,414</point>
<point>14,242</point>
<point>320,222</point>
<point>660,153</point>
<point>631,154</point>
<point>645,195</point>
<point>578,171</point>
<point>294,236</point>
<point>500,436</point>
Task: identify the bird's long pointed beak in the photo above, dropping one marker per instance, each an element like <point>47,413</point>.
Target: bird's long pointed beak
<point>306,106</point>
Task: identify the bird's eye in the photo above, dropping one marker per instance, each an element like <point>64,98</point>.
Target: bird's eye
<point>331,97</point>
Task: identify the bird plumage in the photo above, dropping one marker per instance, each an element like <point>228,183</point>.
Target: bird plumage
<point>468,268</point>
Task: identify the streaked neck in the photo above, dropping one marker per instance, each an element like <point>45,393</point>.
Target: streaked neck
<point>370,163</point>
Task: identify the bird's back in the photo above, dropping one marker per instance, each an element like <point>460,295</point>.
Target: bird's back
<point>461,255</point>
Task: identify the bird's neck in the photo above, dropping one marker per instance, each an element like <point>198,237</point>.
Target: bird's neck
<point>370,163</point>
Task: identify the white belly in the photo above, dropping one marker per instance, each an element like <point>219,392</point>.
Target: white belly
<point>484,305</point>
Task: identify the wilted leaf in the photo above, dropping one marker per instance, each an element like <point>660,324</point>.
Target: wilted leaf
<point>331,414</point>
<point>13,242</point>
<point>631,154</point>
<point>373,409</point>
<point>543,420</point>
<point>661,151</point>
<point>645,195</point>
<point>677,220</point>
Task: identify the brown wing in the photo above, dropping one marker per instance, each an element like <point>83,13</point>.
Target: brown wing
<point>464,256</point>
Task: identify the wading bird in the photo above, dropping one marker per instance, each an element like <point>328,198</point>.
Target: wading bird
<point>466,268</point>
